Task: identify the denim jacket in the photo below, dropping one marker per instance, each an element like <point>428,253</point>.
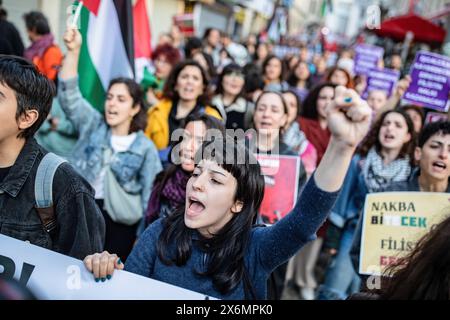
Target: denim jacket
<point>134,169</point>
<point>80,226</point>
<point>351,199</point>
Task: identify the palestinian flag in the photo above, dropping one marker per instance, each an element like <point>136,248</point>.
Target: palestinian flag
<point>108,50</point>
<point>142,39</point>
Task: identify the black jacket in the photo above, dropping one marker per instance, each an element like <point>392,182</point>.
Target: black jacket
<point>80,225</point>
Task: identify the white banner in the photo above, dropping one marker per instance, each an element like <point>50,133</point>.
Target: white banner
<point>53,276</point>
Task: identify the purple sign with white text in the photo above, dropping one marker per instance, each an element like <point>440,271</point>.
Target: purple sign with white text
<point>381,79</point>
<point>430,84</point>
<point>367,58</point>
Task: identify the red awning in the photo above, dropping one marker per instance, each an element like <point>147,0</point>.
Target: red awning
<point>424,30</point>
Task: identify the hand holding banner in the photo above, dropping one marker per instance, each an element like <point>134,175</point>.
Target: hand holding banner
<point>53,276</point>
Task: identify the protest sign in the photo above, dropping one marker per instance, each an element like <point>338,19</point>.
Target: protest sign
<point>392,224</point>
<point>381,79</point>
<point>430,85</point>
<point>435,117</point>
<point>367,58</point>
<point>281,174</point>
<point>53,276</point>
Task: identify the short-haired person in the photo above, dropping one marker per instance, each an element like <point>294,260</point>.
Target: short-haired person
<point>25,99</point>
<point>433,157</point>
<point>43,52</point>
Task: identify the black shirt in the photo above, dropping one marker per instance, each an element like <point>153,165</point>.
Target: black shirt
<point>175,123</point>
<point>11,42</point>
<point>235,120</point>
<point>4,172</point>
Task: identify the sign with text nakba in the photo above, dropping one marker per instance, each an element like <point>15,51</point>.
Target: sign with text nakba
<point>281,174</point>
<point>393,222</point>
<point>430,83</point>
<point>53,276</point>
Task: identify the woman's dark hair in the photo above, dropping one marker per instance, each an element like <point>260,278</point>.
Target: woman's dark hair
<point>229,69</point>
<point>266,62</point>
<point>192,44</point>
<point>372,137</point>
<point>297,100</point>
<point>169,87</point>
<point>424,274</point>
<point>170,52</point>
<point>293,79</point>
<point>211,72</point>
<point>208,32</point>
<point>310,104</point>
<point>417,109</point>
<point>37,22</point>
<point>227,248</point>
<point>139,121</point>
<point>253,78</point>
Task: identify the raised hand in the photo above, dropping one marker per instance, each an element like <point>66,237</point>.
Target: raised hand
<point>402,86</point>
<point>349,117</point>
<point>72,39</point>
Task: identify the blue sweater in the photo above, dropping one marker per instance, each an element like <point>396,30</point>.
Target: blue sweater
<point>269,247</point>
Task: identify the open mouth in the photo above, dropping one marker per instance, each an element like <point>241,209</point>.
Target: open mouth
<point>266,124</point>
<point>195,206</point>
<point>389,137</point>
<point>112,113</point>
<point>188,90</point>
<point>439,165</point>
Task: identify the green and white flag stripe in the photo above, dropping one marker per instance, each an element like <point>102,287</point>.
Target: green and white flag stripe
<point>105,53</point>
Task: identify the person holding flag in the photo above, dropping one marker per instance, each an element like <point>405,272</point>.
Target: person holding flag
<point>112,152</point>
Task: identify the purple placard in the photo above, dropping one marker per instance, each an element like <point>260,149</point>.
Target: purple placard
<point>430,86</point>
<point>366,58</point>
<point>381,79</point>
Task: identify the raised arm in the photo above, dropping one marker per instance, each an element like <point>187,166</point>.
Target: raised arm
<point>73,41</point>
<point>399,91</point>
<point>76,108</point>
<point>348,121</point>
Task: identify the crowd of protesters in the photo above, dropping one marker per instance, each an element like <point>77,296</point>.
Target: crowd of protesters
<point>130,196</point>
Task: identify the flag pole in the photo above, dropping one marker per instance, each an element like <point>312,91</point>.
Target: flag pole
<point>77,15</point>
